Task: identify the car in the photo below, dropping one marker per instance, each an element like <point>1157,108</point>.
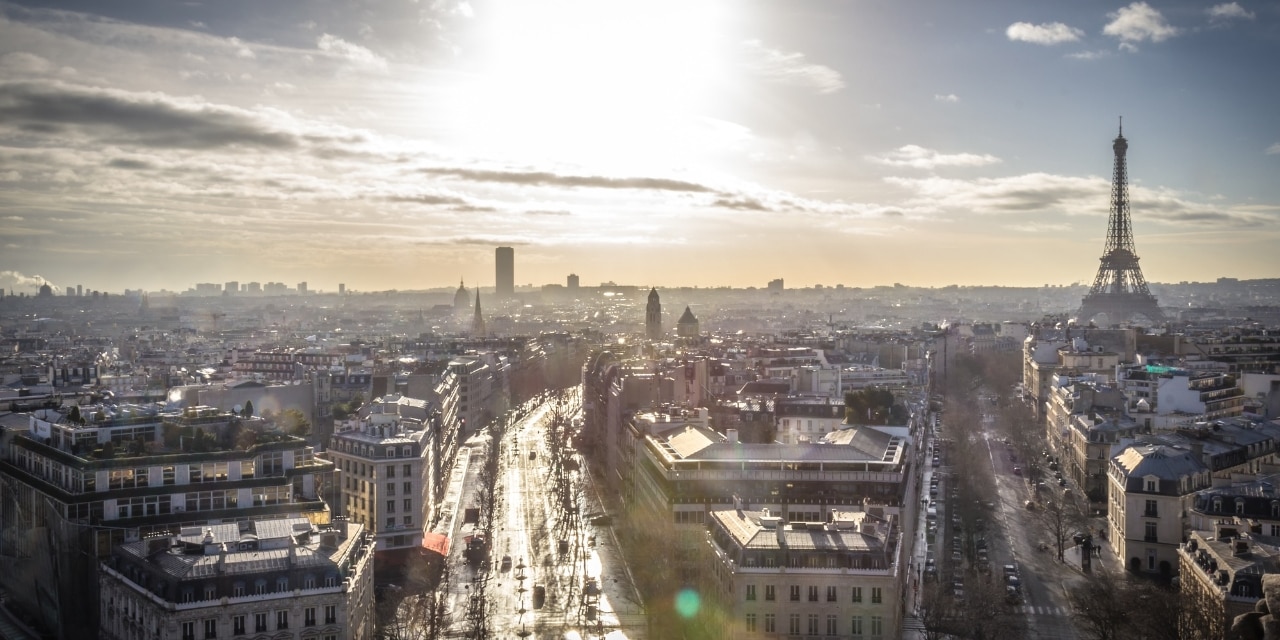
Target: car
<point>1013,581</point>
<point>1010,570</point>
<point>506,563</point>
<point>1062,482</point>
<point>1017,471</point>
<point>603,520</point>
<point>1030,505</point>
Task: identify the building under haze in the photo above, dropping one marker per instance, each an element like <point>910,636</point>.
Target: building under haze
<point>653,316</point>
<point>504,277</point>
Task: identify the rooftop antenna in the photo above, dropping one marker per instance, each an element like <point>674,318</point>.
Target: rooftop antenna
<point>1121,126</point>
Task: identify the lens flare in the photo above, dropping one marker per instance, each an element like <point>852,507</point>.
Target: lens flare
<point>688,603</point>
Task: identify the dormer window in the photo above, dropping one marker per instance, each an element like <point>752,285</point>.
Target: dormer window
<point>1153,486</point>
<point>1217,504</point>
<point>1275,508</point>
<point>1239,505</point>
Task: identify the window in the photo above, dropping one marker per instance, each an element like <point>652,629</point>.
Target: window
<point>309,617</point>
<point>768,593</point>
<point>309,581</point>
<point>795,594</point>
<point>813,624</point>
<point>391,471</point>
<point>391,522</point>
<point>875,595</point>
<point>282,619</point>
<point>770,623</point>
<point>237,626</point>
<point>330,614</point>
<point>408,488</point>
<point>391,452</point>
<point>751,589</point>
<point>259,586</point>
<point>1151,532</point>
<point>188,631</point>
<point>831,597</point>
<point>1275,530</point>
<point>813,593</point>
<point>794,624</point>
<point>407,521</point>
<point>210,628</point>
<point>259,622</point>
<point>1239,505</point>
<point>1151,510</point>
<point>857,594</point>
<point>408,470</point>
<point>1151,486</point>
<point>282,584</point>
<point>237,590</point>
<point>391,506</point>
<point>831,624</point>
<point>391,488</point>
<point>751,623</point>
<point>877,625</point>
<point>210,592</point>
<point>407,505</point>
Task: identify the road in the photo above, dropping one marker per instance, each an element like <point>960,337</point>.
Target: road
<point>537,545</point>
<point>1044,579</point>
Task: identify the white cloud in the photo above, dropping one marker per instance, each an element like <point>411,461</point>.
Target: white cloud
<point>1049,33</point>
<point>1129,47</point>
<point>791,68</point>
<point>1273,149</point>
<point>1089,55</point>
<point>354,53</point>
<point>949,97</point>
<point>1220,13</point>
<point>1139,22</point>
<point>918,157</point>
<point>242,51</point>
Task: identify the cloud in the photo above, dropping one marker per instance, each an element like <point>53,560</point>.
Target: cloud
<point>1039,227</point>
<point>949,97</point>
<point>355,54</point>
<point>918,157</point>
<point>1043,193</point>
<point>741,203</point>
<point>17,282</point>
<point>1049,33</point>
<point>1139,22</point>
<point>1227,11</point>
<point>550,179</point>
<point>1089,55</point>
<point>791,68</point>
<point>1273,149</point>
<point>129,163</point>
<point>145,119</point>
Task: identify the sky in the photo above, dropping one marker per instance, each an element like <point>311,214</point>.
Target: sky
<point>393,144</point>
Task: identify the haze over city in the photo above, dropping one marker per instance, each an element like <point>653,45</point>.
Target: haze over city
<point>393,145</point>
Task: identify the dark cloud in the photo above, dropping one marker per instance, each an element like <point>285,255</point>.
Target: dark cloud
<point>741,203</point>
<point>149,120</point>
<point>126,163</point>
<point>431,199</point>
<point>547,178</point>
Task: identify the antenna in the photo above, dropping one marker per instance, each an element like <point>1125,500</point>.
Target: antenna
<point>1121,126</point>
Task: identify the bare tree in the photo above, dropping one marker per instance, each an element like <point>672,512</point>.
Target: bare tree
<point>1059,518</point>
<point>1100,607</point>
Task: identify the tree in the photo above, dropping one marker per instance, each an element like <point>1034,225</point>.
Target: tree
<point>1100,607</point>
<point>247,411</point>
<point>294,422</point>
<point>1060,518</point>
<point>873,405</point>
<point>74,415</point>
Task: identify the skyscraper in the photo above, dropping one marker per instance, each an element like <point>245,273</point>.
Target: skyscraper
<point>505,272</point>
<point>573,282</point>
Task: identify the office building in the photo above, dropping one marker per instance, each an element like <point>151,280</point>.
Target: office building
<point>504,272</point>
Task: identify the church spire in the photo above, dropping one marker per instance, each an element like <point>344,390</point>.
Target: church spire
<point>477,322</point>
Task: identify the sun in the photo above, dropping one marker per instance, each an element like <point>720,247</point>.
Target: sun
<point>615,82</point>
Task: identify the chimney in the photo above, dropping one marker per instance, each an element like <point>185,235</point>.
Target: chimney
<point>732,435</point>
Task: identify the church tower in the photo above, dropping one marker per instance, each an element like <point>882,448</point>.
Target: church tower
<point>653,316</point>
<point>477,322</point>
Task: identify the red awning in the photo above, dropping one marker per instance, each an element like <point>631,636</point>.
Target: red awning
<point>437,542</point>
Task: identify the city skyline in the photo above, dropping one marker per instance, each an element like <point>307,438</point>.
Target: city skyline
<point>715,144</point>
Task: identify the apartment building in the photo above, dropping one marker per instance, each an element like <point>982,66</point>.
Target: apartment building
<point>78,482</point>
<point>1171,396</point>
<point>389,470</point>
<point>835,579</point>
<point>284,578</point>
<point>1220,576</point>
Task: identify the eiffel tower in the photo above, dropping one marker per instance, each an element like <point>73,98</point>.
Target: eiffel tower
<point>1119,290</point>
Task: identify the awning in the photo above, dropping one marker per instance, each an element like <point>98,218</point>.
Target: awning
<point>437,542</point>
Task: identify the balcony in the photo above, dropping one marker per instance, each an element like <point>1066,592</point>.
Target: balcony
<point>1150,538</point>
<point>1151,513</point>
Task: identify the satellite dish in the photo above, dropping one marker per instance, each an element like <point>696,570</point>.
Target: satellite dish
<point>238,409</point>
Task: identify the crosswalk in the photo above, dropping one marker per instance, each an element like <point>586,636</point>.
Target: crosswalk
<point>1042,611</point>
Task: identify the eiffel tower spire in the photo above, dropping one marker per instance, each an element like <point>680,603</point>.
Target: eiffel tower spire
<point>1119,290</point>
